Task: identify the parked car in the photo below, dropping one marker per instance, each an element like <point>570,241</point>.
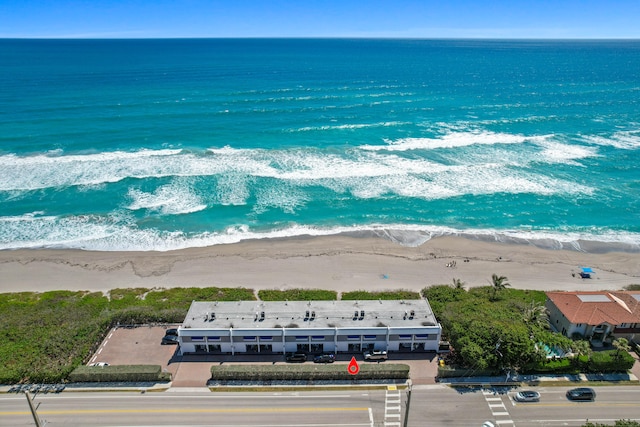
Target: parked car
<point>99,364</point>
<point>375,355</point>
<point>169,340</point>
<point>171,331</point>
<point>296,357</point>
<point>527,396</point>
<point>444,347</point>
<point>581,393</point>
<point>324,358</point>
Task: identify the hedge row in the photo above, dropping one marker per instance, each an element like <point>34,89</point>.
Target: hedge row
<point>600,362</point>
<point>399,294</point>
<point>119,373</point>
<point>297,295</point>
<point>449,372</point>
<point>308,372</point>
<point>608,361</point>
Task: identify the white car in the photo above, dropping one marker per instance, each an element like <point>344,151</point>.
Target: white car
<point>375,355</point>
<point>527,396</point>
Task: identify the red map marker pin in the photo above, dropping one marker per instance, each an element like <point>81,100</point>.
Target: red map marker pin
<point>353,368</point>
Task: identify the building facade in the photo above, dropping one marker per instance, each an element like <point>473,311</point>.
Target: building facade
<point>596,316</point>
<point>311,327</point>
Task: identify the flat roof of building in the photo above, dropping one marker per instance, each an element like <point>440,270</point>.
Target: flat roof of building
<point>309,314</point>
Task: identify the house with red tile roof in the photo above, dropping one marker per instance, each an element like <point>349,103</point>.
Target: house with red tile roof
<point>595,315</point>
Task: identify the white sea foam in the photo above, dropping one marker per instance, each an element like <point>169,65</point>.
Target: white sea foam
<point>350,126</point>
<point>172,199</point>
<point>118,233</point>
<point>232,189</point>
<point>623,140</point>
<point>556,152</point>
<point>287,198</point>
<point>448,140</point>
<point>362,172</point>
<point>36,172</point>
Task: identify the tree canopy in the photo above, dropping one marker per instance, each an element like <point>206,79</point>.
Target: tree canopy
<point>494,328</point>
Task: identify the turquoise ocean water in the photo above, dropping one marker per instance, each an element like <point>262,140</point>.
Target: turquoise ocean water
<point>168,144</point>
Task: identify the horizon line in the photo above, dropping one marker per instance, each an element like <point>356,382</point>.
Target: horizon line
<point>321,38</point>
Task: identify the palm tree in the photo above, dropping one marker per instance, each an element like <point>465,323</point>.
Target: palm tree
<point>458,284</point>
<point>581,348</point>
<point>621,344</point>
<point>499,283</point>
<point>535,315</point>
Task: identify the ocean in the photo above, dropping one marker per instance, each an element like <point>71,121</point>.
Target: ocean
<point>155,145</point>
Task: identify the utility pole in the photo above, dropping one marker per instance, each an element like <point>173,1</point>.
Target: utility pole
<point>33,410</point>
<point>406,415</point>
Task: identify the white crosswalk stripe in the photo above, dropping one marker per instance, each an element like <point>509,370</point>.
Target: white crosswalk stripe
<point>497,407</point>
<point>392,407</point>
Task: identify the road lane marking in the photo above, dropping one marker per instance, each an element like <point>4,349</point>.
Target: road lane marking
<point>392,406</point>
<point>181,411</point>
<point>497,406</point>
<point>204,395</point>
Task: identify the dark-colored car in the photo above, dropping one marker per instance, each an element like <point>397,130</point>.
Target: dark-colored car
<point>296,357</point>
<point>171,331</point>
<point>527,396</point>
<point>581,393</point>
<point>169,340</point>
<point>324,358</point>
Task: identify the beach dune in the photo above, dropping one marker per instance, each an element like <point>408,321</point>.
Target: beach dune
<point>340,263</point>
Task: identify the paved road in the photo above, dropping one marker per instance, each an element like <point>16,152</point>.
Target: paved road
<point>431,405</point>
<point>443,406</point>
<point>318,409</point>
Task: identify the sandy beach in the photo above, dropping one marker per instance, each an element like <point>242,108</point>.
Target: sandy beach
<point>340,263</point>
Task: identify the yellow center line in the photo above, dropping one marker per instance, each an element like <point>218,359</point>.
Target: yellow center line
<point>181,411</point>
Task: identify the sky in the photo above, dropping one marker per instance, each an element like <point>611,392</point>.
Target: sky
<point>320,18</point>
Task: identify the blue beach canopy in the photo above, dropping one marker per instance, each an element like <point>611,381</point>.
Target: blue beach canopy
<point>587,270</point>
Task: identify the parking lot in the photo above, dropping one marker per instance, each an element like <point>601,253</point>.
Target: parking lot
<point>141,346</point>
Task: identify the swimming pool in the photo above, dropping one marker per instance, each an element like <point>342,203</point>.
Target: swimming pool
<point>552,351</point>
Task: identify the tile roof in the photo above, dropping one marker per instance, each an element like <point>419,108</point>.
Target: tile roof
<point>591,308</point>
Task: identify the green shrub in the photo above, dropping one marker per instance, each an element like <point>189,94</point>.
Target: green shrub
<point>385,295</point>
<point>563,366</point>
<point>609,361</point>
<point>450,372</point>
<point>44,336</point>
<point>297,295</point>
<point>599,362</point>
<point>307,372</point>
<point>182,297</point>
<point>119,373</point>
